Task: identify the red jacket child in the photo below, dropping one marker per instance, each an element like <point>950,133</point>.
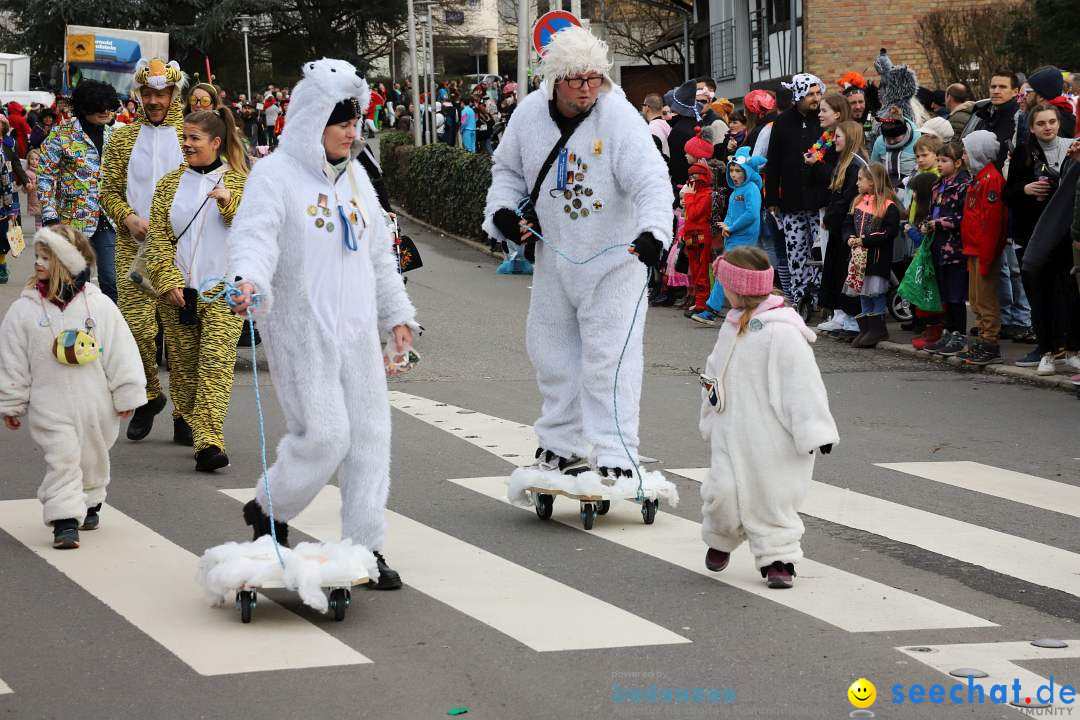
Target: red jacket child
<point>697,201</point>
<point>985,222</point>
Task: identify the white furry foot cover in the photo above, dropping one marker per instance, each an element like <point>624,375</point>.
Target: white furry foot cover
<point>654,484</point>
<point>309,567</point>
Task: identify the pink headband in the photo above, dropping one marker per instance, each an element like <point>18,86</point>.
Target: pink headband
<point>748,283</point>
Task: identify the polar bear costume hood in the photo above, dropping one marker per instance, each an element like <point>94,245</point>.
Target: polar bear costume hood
<point>325,83</point>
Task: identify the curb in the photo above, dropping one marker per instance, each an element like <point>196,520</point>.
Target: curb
<point>1017,374</point>
<point>474,244</point>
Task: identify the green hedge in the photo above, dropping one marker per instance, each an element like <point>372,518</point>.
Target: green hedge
<point>442,185</point>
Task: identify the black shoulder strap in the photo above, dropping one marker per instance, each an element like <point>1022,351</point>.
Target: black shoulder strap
<point>563,139</point>
<point>192,220</point>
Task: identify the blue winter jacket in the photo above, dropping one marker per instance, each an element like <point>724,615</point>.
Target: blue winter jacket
<point>744,204</point>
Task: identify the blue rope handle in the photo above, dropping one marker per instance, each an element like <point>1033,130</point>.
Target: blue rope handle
<point>230,292</point>
<point>640,496</point>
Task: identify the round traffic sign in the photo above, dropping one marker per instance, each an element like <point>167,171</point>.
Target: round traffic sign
<point>549,24</point>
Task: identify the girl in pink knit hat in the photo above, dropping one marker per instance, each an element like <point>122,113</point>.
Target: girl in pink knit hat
<point>764,411</point>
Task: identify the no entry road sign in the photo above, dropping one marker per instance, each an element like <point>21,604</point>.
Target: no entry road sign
<point>549,24</point>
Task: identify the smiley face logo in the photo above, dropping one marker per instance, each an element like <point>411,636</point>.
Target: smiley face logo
<point>862,693</point>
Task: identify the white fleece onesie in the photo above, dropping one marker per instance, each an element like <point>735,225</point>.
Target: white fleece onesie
<point>775,416</point>
<point>580,314</point>
<point>325,309</point>
<point>72,408</point>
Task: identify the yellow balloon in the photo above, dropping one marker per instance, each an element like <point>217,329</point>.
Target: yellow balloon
<point>862,693</point>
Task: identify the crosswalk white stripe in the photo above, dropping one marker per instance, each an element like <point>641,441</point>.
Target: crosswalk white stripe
<point>150,582</point>
<point>824,592</point>
<point>834,596</point>
<point>997,482</point>
<point>5,689</point>
<point>1007,554</point>
<point>998,661</point>
<point>535,610</point>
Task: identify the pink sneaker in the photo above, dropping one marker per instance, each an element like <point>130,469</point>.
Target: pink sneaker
<point>1075,379</point>
<point>779,576</point>
<point>716,560</point>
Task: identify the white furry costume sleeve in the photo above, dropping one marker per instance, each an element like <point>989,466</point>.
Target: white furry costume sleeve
<point>643,175</point>
<point>15,359</point>
<point>121,360</point>
<point>508,182</point>
<point>797,393</point>
<point>253,236</point>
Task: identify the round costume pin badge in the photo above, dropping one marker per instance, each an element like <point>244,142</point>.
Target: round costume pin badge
<point>756,325</point>
<point>312,210</point>
<point>319,222</point>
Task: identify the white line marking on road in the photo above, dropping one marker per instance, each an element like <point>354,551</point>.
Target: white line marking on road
<point>535,610</point>
<point>5,689</point>
<point>829,594</point>
<point>1007,554</point>
<point>150,582</point>
<point>997,660</point>
<point>997,482</point>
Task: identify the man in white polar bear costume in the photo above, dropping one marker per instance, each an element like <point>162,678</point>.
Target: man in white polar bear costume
<point>605,192</point>
<point>311,242</point>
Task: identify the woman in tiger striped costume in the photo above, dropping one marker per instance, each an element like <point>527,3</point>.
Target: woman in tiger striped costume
<point>189,217</point>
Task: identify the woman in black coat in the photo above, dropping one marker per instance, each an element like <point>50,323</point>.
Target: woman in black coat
<point>842,190</point>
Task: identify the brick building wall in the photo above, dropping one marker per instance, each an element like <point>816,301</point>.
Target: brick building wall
<point>844,35</point>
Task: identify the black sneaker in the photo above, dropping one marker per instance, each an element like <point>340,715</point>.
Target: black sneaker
<point>943,342</point>
<point>210,459</point>
<point>260,523</point>
<point>985,354</point>
<point>181,433</point>
<point>388,579</point>
<point>955,346</point>
<point>1030,360</point>
<point>92,519</point>
<point>65,534</point>
<point>142,422</point>
<point>1025,335</point>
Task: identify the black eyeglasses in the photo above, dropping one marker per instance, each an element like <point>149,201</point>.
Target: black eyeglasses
<point>594,81</point>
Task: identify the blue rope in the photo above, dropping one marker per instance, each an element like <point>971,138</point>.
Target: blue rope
<point>230,292</point>
<point>640,496</point>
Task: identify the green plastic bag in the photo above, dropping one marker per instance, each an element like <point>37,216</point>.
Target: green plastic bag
<point>919,286</point>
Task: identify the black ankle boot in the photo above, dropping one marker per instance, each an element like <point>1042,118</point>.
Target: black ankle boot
<point>210,459</point>
<point>260,523</point>
<point>181,433</point>
<point>388,579</point>
<point>142,422</point>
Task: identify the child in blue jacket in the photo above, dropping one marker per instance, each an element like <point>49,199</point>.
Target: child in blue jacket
<point>742,225</point>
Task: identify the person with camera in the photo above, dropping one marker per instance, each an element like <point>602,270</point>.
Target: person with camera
<point>190,215</point>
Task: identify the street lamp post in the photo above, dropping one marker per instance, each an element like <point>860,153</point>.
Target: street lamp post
<point>523,50</point>
<point>431,61</point>
<point>245,27</point>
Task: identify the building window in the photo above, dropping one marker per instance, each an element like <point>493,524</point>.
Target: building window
<point>455,17</point>
<point>759,38</point>
<point>779,14</point>
<point>723,50</point>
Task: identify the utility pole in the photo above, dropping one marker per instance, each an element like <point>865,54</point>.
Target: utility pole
<point>414,76</point>
<point>523,50</point>
<point>431,66</point>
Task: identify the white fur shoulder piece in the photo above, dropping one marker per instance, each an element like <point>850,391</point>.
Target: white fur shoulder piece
<point>588,483</point>
<point>309,567</point>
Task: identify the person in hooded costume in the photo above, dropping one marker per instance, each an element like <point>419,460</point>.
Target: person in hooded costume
<point>135,158</point>
<point>310,244</point>
<point>608,193</point>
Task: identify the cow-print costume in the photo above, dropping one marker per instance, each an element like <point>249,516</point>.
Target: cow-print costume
<point>800,231</point>
<point>801,84</point>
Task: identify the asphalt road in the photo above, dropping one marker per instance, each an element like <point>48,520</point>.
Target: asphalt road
<point>512,617</point>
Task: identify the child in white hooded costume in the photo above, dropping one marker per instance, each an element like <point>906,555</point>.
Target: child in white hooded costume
<point>75,390</point>
<point>311,241</point>
<point>608,191</point>
<point>764,411</point>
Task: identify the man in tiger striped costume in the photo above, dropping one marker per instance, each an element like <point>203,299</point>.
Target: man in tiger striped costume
<point>137,156</point>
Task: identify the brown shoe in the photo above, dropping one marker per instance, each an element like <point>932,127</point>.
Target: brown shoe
<point>716,560</point>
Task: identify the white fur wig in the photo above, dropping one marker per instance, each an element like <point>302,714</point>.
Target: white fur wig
<point>574,50</point>
<point>62,249</point>
<point>325,83</point>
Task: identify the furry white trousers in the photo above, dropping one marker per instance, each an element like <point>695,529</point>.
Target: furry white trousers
<point>746,499</point>
<point>76,458</point>
<point>337,421</point>
<point>576,329</point>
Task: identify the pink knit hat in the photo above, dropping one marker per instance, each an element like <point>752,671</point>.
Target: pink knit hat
<point>748,283</point>
<point>698,146</point>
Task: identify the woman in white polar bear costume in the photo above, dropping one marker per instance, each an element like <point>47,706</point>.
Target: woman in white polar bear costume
<point>312,243</point>
<point>609,189</point>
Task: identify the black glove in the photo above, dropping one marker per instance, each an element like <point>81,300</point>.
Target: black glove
<point>648,249</point>
<point>506,221</point>
<point>826,449</point>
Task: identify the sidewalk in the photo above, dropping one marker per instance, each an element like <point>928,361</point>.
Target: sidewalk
<point>900,342</point>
